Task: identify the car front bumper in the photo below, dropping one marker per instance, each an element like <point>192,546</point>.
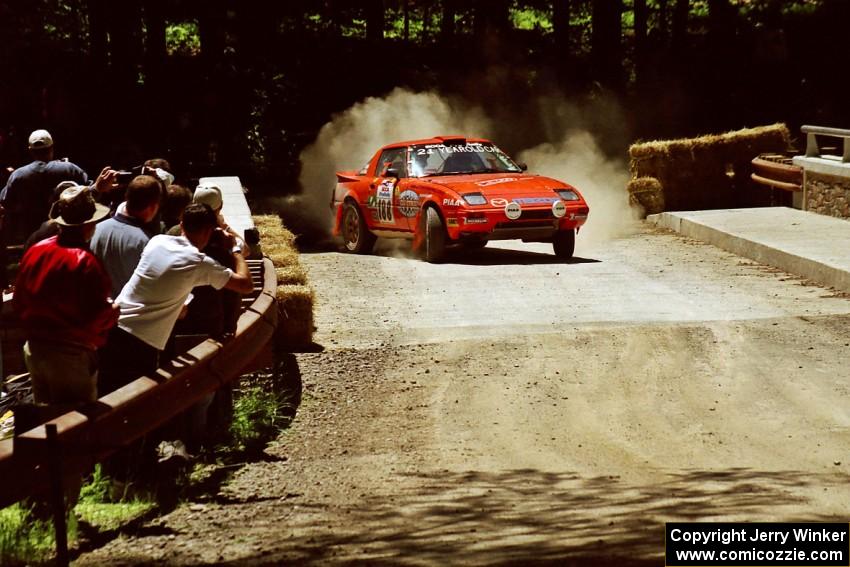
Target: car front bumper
<point>493,224</point>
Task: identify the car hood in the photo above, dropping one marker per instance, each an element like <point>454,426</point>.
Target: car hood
<point>501,184</point>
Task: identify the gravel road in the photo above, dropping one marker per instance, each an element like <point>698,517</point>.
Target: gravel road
<point>506,408</point>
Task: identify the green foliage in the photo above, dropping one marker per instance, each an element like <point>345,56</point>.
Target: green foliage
<point>532,19</point>
<point>96,490</point>
<point>183,38</point>
<point>112,515</point>
<point>23,539</point>
<point>99,509</point>
<point>258,415</point>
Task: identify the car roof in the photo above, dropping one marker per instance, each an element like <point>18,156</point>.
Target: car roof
<point>437,140</point>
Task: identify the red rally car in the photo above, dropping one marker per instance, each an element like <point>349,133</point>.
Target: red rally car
<point>452,190</point>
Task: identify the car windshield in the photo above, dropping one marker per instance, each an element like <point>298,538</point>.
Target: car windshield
<point>449,159</point>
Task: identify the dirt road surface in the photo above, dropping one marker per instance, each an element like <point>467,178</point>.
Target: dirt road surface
<point>505,408</point>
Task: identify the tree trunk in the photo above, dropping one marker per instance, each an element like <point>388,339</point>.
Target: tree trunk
<point>447,21</point>
<point>258,25</point>
<point>212,17</point>
<point>662,19</point>
<point>721,22</point>
<point>561,24</point>
<point>680,27</point>
<point>332,16</point>
<point>155,50</point>
<point>406,9</point>
<point>641,17</point>
<point>375,20</point>
<point>125,40</point>
<point>491,16</point>
<point>97,33</point>
<point>606,46</point>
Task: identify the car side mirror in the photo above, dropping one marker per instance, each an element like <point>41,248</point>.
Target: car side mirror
<point>523,166</point>
<point>392,172</point>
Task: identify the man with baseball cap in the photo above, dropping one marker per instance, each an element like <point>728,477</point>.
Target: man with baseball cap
<point>62,298</point>
<point>26,195</point>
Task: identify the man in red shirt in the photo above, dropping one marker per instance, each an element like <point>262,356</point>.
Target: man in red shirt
<point>62,297</point>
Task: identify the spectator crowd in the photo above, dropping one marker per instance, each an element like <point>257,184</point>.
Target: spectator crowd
<point>111,265</point>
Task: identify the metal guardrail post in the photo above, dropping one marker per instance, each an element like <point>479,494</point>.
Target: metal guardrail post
<point>57,495</point>
<point>812,149</point>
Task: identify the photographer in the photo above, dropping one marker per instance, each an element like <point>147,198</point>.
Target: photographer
<point>155,295</point>
<point>119,241</point>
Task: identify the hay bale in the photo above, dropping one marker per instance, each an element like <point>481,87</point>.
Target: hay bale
<point>281,254</point>
<point>271,229</point>
<point>646,192</point>
<point>294,296</point>
<point>267,222</point>
<point>293,274</point>
<point>708,171</point>
<point>295,317</point>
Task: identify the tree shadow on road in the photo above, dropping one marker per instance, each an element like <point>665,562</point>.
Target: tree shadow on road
<point>531,517</point>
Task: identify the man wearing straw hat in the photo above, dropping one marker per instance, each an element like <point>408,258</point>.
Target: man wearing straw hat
<point>62,297</point>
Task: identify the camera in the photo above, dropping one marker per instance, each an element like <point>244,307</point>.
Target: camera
<point>125,176</point>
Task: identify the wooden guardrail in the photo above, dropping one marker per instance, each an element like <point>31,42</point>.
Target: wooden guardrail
<point>812,147</point>
<point>90,433</point>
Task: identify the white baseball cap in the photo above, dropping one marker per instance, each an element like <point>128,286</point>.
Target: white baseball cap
<point>208,194</point>
<point>40,139</point>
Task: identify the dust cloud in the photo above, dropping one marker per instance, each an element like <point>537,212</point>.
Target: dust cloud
<point>567,150</point>
<point>351,138</point>
<point>577,160</point>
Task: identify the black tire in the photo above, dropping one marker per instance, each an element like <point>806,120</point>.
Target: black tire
<point>564,244</point>
<point>355,235</point>
<point>433,237</point>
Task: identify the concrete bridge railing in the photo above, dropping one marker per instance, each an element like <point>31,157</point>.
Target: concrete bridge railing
<point>826,175</point>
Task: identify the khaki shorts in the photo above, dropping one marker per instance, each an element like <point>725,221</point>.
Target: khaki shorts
<point>61,373</point>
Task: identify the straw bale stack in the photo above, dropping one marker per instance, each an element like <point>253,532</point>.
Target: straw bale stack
<point>708,172</point>
<point>646,193</point>
<point>295,316</point>
<point>294,296</point>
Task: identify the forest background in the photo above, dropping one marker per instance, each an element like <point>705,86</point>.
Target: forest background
<point>221,87</point>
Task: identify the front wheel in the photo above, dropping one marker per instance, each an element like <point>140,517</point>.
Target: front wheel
<point>564,243</point>
<point>432,241</point>
<point>355,234</point>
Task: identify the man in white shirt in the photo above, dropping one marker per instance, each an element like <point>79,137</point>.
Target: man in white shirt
<point>156,293</point>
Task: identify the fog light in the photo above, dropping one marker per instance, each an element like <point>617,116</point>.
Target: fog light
<point>559,209</point>
<point>513,211</point>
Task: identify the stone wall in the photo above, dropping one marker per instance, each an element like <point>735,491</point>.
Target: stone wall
<point>828,195</point>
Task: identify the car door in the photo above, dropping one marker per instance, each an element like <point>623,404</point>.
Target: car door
<point>384,190</point>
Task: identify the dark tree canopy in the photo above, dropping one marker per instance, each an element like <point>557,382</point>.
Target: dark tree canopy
<point>243,86</point>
